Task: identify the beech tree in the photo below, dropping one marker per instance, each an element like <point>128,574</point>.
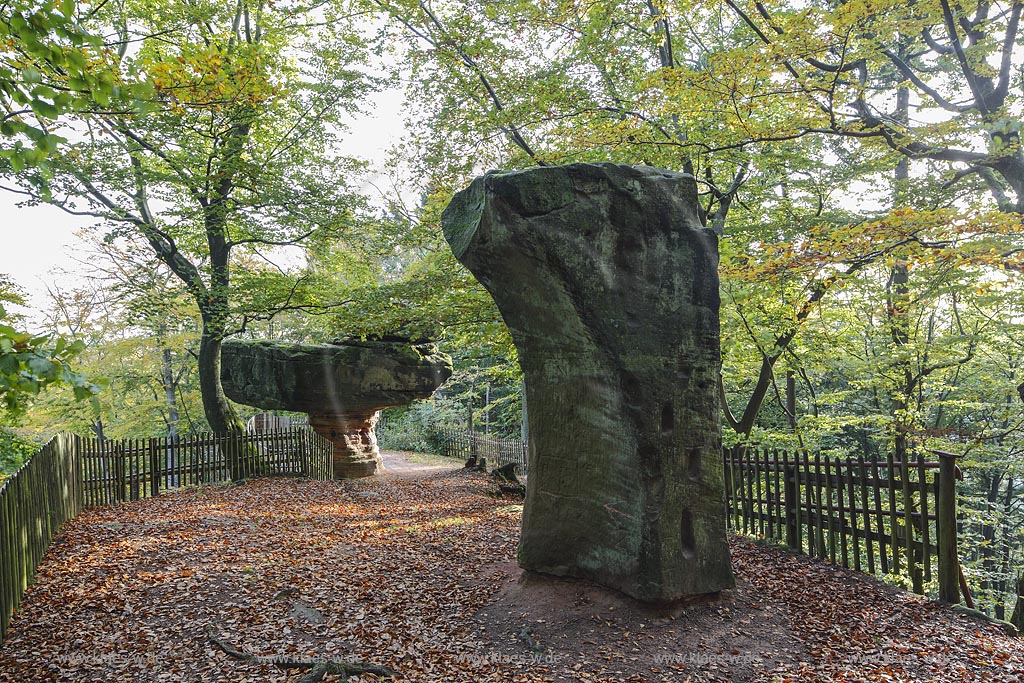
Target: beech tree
<point>42,47</point>
<point>958,62</point>
<point>233,156</point>
<point>36,36</point>
<point>141,332</point>
<point>512,84</point>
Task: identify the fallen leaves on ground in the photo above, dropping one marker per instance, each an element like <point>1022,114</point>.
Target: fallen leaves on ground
<point>405,572</point>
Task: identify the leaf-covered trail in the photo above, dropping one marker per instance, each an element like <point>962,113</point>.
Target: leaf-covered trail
<point>417,573</point>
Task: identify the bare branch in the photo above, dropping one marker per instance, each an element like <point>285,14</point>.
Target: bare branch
<point>272,243</point>
<point>908,73</point>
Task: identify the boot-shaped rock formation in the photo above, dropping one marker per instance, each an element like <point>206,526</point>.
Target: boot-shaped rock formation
<point>341,386</point>
<point>609,286</point>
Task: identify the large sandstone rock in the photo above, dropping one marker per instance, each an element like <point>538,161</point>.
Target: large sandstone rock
<point>609,285</point>
<point>341,386</point>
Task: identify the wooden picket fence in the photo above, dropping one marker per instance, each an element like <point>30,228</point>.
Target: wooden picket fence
<point>467,445</point>
<point>34,502</point>
<point>71,473</point>
<point>870,515</point>
<point>129,469</point>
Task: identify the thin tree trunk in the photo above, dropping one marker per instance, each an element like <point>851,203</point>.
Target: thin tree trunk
<point>988,535</point>
<point>170,392</point>
<point>791,399</point>
<point>898,313</point>
<point>170,396</point>
<point>1005,538</point>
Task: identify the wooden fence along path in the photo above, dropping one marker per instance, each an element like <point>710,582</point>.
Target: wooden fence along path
<point>71,473</point>
<point>34,502</point>
<point>129,469</point>
<point>869,515</point>
<point>467,445</point>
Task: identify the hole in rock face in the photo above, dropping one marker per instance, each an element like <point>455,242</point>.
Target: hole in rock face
<point>693,463</point>
<point>632,391</point>
<point>686,530</point>
<point>667,420</point>
<point>627,253</point>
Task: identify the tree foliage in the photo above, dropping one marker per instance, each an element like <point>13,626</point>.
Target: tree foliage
<point>232,160</point>
<point>29,363</point>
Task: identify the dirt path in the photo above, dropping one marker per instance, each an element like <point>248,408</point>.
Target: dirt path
<point>416,570</point>
<point>407,464</point>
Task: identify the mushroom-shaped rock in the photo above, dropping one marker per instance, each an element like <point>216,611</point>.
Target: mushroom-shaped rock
<point>609,285</point>
<point>341,386</point>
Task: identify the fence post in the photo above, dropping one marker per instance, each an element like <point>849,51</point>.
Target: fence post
<point>949,561</point>
<point>792,501</point>
<point>120,478</point>
<point>154,468</point>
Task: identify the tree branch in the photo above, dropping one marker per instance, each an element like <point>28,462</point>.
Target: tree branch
<point>272,243</point>
<point>511,130</point>
<point>1006,58</point>
<point>965,67</point>
<point>908,73</point>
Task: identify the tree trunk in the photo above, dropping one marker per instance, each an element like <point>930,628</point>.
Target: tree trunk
<point>898,313</point>
<point>791,399</point>
<point>170,396</point>
<point>219,412</point>
<point>988,545</point>
<point>1018,611</point>
<point>1006,533</point>
<point>170,392</point>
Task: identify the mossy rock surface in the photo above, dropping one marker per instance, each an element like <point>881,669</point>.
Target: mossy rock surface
<point>609,285</point>
<point>340,378</point>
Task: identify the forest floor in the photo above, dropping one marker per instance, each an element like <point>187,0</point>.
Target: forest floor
<point>415,570</point>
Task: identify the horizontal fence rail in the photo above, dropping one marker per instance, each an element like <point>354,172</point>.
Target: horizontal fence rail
<point>873,515</point>
<point>71,473</point>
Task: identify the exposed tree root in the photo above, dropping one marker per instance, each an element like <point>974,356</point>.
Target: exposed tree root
<point>317,670</point>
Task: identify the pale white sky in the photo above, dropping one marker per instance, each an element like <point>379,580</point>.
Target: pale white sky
<point>35,242</point>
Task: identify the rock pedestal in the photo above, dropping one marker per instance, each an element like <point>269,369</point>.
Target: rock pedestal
<point>341,386</point>
<point>609,286</point>
<point>355,442</point>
